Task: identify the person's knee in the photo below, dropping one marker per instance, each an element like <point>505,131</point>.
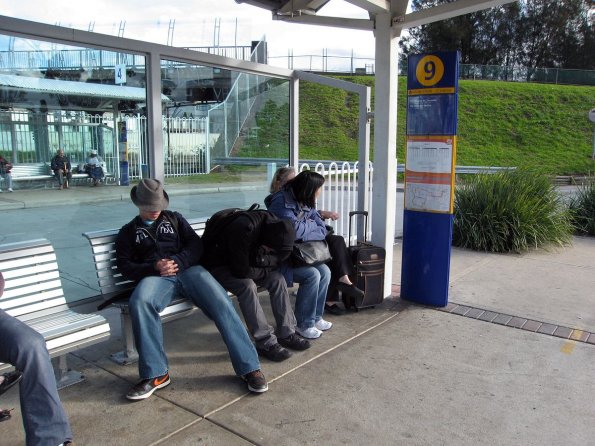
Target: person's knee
<point>31,351</point>
<point>324,275</point>
<point>144,294</point>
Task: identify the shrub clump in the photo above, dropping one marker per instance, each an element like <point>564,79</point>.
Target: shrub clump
<point>582,210</point>
<point>510,211</point>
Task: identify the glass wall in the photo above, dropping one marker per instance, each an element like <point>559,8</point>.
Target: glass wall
<point>224,133</point>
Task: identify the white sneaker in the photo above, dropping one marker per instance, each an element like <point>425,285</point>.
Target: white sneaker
<point>323,325</point>
<point>309,333</point>
<point>10,189</point>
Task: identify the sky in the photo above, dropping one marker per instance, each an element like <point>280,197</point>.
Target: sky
<point>195,23</point>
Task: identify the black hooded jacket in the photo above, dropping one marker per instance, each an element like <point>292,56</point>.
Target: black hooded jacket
<point>138,246</point>
<point>241,247</point>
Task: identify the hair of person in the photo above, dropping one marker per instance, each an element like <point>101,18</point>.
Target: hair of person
<point>305,185</point>
<point>280,178</point>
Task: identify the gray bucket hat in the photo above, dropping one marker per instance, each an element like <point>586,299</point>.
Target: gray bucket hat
<point>149,194</point>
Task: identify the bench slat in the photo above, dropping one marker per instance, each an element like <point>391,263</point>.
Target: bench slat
<point>9,302</point>
<point>63,323</point>
<point>21,283</point>
<point>22,311</point>
<point>9,256</point>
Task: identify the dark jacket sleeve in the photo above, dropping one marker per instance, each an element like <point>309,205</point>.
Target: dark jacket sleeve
<point>128,264</point>
<point>191,246</point>
<point>53,164</point>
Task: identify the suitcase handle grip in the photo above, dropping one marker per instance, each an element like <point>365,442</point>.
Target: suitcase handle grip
<point>365,214</point>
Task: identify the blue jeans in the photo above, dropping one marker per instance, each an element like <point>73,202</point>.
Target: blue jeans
<point>153,294</point>
<point>44,418</point>
<point>311,295</point>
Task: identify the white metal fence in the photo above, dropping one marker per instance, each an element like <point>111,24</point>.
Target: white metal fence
<point>27,137</point>
<point>340,192</point>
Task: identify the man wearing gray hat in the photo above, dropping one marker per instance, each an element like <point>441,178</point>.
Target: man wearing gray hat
<point>160,251</point>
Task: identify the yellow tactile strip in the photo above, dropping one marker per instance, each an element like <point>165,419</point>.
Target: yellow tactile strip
<point>520,322</point>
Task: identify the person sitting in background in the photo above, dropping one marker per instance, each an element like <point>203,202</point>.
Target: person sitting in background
<point>44,418</point>
<point>341,266</point>
<point>5,168</point>
<point>60,165</point>
<point>94,167</point>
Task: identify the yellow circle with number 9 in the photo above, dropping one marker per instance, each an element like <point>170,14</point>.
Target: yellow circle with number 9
<point>429,71</point>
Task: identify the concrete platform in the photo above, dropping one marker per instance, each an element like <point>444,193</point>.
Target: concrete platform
<point>508,361</point>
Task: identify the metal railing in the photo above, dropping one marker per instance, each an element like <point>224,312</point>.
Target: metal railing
<point>73,59</point>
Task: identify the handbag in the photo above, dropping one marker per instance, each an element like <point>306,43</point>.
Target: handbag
<point>310,253</point>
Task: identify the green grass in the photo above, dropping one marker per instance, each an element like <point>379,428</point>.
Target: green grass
<point>499,124</point>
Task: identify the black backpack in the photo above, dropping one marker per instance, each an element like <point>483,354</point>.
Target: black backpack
<point>213,236</point>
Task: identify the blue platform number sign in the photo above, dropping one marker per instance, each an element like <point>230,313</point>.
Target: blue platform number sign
<point>435,73</point>
<point>120,74</point>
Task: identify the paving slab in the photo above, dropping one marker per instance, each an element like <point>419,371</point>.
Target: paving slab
<point>427,377</point>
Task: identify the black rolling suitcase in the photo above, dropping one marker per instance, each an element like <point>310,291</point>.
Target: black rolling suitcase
<point>368,263</point>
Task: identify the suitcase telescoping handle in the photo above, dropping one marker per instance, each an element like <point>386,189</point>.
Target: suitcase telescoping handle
<point>365,214</point>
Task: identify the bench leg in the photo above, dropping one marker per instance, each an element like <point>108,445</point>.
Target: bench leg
<point>66,377</point>
<point>129,355</point>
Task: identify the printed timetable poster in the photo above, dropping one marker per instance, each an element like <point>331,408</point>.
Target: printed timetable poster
<point>428,177</point>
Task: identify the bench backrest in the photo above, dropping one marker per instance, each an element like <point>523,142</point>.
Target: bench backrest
<point>30,170</point>
<point>32,278</point>
<point>103,245</point>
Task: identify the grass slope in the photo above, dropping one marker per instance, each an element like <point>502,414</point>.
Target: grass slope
<point>499,124</point>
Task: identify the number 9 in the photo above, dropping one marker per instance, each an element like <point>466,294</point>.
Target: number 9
<point>430,70</point>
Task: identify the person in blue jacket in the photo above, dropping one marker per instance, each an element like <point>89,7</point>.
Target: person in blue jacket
<point>296,202</point>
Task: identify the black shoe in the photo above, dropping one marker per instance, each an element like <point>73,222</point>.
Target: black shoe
<point>10,379</point>
<point>295,342</point>
<point>145,387</point>
<point>256,381</point>
<point>350,290</point>
<point>275,353</point>
<point>333,308</point>
<point>5,414</point>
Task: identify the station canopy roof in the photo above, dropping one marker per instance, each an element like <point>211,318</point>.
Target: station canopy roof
<point>306,11</point>
<point>22,91</point>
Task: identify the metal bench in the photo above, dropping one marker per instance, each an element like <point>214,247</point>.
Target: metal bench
<point>39,172</point>
<point>31,172</point>
<point>114,286</point>
<point>33,293</point>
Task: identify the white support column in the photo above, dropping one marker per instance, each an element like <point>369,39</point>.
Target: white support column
<point>155,120</point>
<point>363,179</point>
<point>385,143</point>
<point>294,122</point>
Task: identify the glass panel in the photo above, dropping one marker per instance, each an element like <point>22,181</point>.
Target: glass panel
<point>224,134</point>
<point>52,97</point>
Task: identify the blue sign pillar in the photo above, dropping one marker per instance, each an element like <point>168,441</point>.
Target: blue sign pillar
<point>432,97</point>
<point>123,151</point>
